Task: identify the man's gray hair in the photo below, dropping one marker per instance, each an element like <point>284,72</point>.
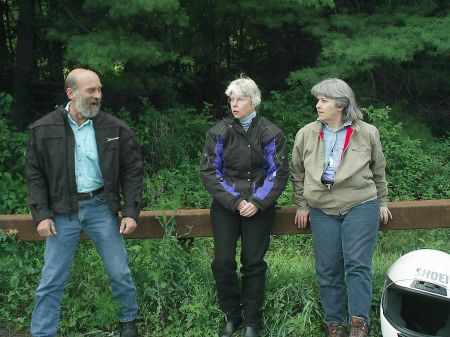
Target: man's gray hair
<point>246,87</point>
<point>71,82</point>
<point>341,92</point>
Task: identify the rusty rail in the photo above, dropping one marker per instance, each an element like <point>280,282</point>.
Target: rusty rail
<point>196,222</point>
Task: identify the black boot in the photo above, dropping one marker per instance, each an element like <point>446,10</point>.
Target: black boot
<point>230,328</point>
<point>250,331</point>
<point>128,329</point>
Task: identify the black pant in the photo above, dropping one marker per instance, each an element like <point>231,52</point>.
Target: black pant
<point>255,237</point>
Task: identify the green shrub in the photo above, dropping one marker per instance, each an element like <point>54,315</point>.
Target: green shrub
<point>175,188</point>
<point>19,271</point>
<point>170,136</point>
<point>290,111</point>
<point>12,162</point>
<point>415,169</point>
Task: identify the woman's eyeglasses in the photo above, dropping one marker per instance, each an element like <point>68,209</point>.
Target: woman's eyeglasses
<point>238,100</point>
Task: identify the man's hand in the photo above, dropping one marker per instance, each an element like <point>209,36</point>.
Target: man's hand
<point>46,228</point>
<point>127,225</point>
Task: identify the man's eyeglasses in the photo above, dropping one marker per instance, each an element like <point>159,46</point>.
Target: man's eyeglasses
<point>238,100</point>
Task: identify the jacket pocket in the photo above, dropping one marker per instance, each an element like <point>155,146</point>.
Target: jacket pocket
<point>362,153</point>
<point>205,162</point>
<point>51,151</point>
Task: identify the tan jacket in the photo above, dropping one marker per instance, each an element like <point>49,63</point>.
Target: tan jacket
<point>360,176</point>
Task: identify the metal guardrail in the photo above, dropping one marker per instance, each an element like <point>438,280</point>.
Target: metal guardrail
<point>196,222</point>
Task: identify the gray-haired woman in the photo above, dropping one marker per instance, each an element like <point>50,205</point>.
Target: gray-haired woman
<point>244,167</point>
<point>338,173</point>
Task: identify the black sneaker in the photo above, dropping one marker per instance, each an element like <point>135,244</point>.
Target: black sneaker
<point>128,329</point>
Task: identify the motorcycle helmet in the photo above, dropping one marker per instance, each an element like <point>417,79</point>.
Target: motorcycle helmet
<point>416,296</point>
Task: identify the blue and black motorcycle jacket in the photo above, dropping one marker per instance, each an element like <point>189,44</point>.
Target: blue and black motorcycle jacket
<point>247,165</point>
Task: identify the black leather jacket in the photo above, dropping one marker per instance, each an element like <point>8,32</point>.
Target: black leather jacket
<point>50,165</point>
<point>237,165</point>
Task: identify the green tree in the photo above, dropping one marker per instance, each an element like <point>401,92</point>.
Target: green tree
<point>25,65</point>
<point>5,42</point>
<point>131,44</point>
<point>184,51</point>
<point>393,53</point>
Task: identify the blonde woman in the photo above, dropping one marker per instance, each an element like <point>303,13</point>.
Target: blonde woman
<point>245,169</point>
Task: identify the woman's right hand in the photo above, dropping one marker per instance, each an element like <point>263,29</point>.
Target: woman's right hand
<point>301,219</point>
<point>241,205</point>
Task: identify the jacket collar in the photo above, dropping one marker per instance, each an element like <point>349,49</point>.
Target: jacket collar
<point>96,120</point>
<point>237,121</point>
<point>317,126</point>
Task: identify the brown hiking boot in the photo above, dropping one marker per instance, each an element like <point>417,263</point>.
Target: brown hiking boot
<point>335,330</point>
<point>358,327</point>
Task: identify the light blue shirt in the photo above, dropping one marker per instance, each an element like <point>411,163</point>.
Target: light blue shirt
<point>87,167</point>
<point>333,146</point>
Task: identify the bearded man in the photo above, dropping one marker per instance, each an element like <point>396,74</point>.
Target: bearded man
<point>78,159</point>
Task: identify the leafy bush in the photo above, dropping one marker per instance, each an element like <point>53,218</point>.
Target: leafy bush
<point>168,137</point>
<point>19,271</point>
<point>290,111</point>
<point>415,169</point>
<point>175,188</point>
<point>12,159</point>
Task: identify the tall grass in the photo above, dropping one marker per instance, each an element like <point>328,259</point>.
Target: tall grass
<point>176,289</point>
<point>174,281</point>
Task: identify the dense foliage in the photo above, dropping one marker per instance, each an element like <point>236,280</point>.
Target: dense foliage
<point>12,151</point>
<point>185,51</point>
<point>176,289</point>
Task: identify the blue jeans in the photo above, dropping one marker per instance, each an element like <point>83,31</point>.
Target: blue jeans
<point>102,226</point>
<point>343,247</point>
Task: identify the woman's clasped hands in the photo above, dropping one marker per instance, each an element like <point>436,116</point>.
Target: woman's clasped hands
<point>247,209</point>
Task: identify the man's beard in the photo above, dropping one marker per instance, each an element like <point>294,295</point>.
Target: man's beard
<point>84,106</point>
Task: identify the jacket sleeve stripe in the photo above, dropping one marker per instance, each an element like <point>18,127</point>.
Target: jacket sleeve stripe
<point>271,171</point>
<point>218,165</point>
<point>218,160</point>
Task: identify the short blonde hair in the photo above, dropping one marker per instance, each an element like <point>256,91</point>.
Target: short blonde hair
<point>246,87</point>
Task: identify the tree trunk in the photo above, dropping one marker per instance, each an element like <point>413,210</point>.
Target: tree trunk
<point>5,57</point>
<point>25,65</point>
<point>55,88</point>
<point>56,70</point>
